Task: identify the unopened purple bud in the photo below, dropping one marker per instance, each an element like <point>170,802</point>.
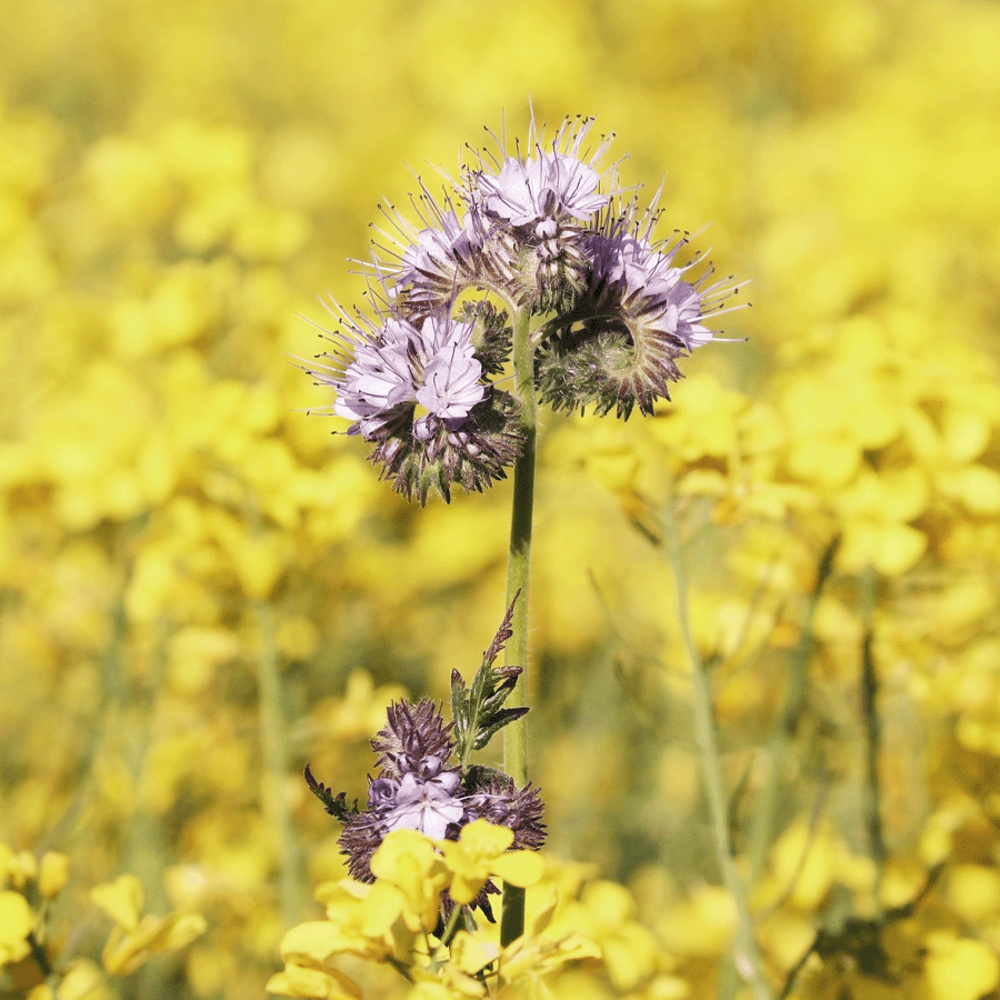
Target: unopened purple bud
<point>425,428</point>
<point>547,229</point>
<point>382,793</point>
<point>430,766</point>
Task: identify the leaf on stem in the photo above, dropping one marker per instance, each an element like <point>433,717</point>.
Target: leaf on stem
<point>335,805</point>
<point>478,711</point>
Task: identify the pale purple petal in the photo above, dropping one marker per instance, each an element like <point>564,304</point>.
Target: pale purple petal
<point>434,366</point>
<point>439,251</point>
<point>649,284</point>
<point>451,386</point>
<point>379,378</point>
<point>425,806</point>
<point>550,185</point>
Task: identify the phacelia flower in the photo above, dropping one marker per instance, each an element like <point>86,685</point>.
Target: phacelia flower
<point>428,806</point>
<point>425,782</point>
<point>543,187</point>
<point>649,287</point>
<point>641,312</point>
<point>441,250</point>
<point>432,364</point>
<point>450,385</point>
<point>544,231</point>
<point>415,389</point>
<point>541,205</point>
<point>379,380</point>
<point>429,265</point>
<point>419,789</point>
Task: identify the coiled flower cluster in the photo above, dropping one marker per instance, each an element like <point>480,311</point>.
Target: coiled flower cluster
<point>548,236</point>
<point>425,781</point>
<point>419,788</point>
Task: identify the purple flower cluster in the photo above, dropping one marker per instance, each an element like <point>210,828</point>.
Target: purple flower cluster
<point>418,788</point>
<point>537,191</point>
<point>548,233</point>
<point>432,365</point>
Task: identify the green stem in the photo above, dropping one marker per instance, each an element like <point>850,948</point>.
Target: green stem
<point>780,741</point>
<point>873,732</point>
<point>518,571</point>
<point>746,955</point>
<point>39,954</point>
<point>274,745</point>
<point>441,954</point>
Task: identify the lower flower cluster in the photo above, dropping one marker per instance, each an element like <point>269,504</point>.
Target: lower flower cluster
<point>417,788</point>
<point>394,920</point>
<point>426,784</point>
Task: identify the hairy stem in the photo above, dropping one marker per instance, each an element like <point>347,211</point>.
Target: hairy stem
<point>746,955</point>
<point>518,571</point>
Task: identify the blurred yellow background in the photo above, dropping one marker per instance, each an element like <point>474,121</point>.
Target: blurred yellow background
<point>200,588</point>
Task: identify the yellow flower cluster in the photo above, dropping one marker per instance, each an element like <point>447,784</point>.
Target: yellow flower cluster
<point>33,937</point>
<point>572,921</point>
<point>199,588</point>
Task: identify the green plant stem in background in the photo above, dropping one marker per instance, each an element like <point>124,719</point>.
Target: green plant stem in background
<point>518,572</point>
<point>274,743</point>
<point>746,955</point>
<point>873,732</point>
<point>779,744</point>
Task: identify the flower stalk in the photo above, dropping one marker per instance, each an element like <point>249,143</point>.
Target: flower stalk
<point>518,575</point>
<point>779,743</point>
<point>545,236</point>
<point>746,954</point>
<point>274,743</point>
<point>519,556</point>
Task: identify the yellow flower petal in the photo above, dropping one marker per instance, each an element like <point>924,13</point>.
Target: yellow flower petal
<point>127,951</point>
<point>16,923</point>
<point>316,984</point>
<point>520,868</point>
<point>966,433</point>
<point>976,487</point>
<point>315,940</point>
<point>959,969</point>
<point>471,953</point>
<point>52,873</point>
<point>891,548</point>
<point>484,839</point>
<point>481,851</point>
<point>974,892</point>
<point>122,900</point>
<point>410,861</point>
<point>538,956</point>
<point>84,980</point>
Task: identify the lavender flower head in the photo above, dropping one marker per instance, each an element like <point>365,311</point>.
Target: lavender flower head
<point>545,235</point>
<point>414,387</point>
<point>424,781</point>
<point>433,365</point>
<point>431,260</point>
<point>418,788</point>
<point>546,186</point>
